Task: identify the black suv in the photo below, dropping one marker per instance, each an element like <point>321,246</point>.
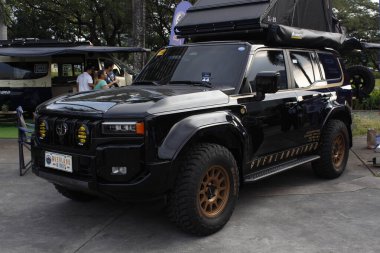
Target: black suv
<point>199,121</point>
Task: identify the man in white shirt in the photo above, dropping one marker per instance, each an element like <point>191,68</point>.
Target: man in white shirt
<point>85,81</point>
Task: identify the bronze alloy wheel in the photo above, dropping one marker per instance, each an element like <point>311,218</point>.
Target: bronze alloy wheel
<point>338,150</point>
<point>214,191</point>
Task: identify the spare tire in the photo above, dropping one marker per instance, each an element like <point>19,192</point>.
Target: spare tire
<point>362,80</point>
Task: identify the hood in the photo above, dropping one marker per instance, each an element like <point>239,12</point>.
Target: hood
<point>135,101</point>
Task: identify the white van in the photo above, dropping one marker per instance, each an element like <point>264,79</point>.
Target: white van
<point>31,74</point>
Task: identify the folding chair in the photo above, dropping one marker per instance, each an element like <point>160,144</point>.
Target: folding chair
<point>25,132</point>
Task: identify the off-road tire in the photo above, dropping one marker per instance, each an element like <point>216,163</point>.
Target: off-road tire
<point>362,80</point>
<point>74,195</point>
<point>334,150</point>
<point>189,204</point>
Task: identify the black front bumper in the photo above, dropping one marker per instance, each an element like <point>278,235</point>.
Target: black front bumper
<point>91,174</point>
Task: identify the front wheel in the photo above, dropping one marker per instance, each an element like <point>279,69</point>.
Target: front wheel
<point>206,189</point>
<point>333,150</point>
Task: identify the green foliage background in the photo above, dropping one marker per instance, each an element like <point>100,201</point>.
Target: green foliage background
<point>360,17</point>
<point>105,22</point>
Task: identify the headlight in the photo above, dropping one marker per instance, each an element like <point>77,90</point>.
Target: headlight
<point>82,135</point>
<point>42,129</point>
<point>123,128</point>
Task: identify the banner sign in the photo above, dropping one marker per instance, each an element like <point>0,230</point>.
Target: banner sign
<point>179,13</point>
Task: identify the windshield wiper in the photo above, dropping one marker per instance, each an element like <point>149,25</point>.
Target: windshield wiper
<point>194,83</point>
<point>146,83</point>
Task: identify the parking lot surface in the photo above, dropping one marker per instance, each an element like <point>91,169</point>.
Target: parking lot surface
<point>291,212</point>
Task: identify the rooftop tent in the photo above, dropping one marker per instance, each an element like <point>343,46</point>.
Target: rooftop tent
<point>303,23</point>
<point>307,14</point>
<point>212,17</point>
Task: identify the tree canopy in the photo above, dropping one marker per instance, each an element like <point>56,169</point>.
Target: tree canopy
<point>105,22</point>
<point>359,17</point>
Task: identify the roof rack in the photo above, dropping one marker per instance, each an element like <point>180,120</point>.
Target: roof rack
<point>35,42</point>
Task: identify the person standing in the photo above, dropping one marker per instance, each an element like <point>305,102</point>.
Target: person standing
<point>110,76</point>
<point>101,83</point>
<point>85,81</point>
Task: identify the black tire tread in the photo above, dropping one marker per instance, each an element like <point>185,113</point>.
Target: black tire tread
<point>323,167</point>
<point>367,75</point>
<point>179,202</point>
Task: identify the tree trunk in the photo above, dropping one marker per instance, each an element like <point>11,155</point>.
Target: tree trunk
<point>138,33</point>
<point>3,27</point>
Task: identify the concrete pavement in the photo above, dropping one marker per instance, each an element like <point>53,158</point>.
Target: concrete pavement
<point>291,212</point>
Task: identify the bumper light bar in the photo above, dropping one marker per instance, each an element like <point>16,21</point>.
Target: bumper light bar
<point>123,128</point>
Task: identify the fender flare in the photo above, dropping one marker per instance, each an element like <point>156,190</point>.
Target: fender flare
<point>183,131</point>
<point>331,112</point>
<point>337,112</point>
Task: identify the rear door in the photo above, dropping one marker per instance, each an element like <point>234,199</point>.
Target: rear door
<point>313,94</point>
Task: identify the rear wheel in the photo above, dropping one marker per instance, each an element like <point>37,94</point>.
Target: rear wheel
<point>333,151</point>
<point>74,195</point>
<point>206,189</point>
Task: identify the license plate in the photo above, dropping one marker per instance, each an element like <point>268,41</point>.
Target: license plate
<point>59,161</point>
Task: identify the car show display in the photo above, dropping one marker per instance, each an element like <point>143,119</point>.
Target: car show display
<point>258,88</point>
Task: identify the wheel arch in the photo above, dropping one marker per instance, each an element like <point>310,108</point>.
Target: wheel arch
<point>342,113</point>
<point>222,128</point>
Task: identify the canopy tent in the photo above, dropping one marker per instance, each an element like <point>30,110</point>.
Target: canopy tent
<point>48,51</point>
<point>301,23</point>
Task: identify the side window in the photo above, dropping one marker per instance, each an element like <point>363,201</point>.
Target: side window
<point>303,70</point>
<point>67,70</point>
<point>330,67</point>
<point>271,60</point>
<point>65,73</point>
<point>23,70</point>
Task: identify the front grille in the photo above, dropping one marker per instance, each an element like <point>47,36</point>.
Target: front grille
<point>55,135</point>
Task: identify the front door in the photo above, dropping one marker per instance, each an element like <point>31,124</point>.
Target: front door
<point>271,123</point>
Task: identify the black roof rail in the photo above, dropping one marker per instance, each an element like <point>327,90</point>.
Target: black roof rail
<point>35,42</point>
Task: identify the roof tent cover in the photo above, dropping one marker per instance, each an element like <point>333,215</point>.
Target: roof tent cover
<point>48,51</point>
<point>284,22</point>
<point>306,14</point>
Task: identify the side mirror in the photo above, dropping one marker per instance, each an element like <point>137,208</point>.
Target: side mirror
<point>267,82</point>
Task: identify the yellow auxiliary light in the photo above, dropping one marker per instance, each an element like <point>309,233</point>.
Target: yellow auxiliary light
<point>82,135</point>
<point>42,129</point>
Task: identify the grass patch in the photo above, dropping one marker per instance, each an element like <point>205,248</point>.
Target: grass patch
<point>364,120</point>
<point>377,84</point>
<point>8,130</point>
<point>369,103</point>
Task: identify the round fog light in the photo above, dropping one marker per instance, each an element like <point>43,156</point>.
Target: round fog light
<point>119,171</point>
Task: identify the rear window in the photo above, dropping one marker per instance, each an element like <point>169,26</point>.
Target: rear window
<point>303,70</point>
<point>331,68</point>
<point>23,70</point>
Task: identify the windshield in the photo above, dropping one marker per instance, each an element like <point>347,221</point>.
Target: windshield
<point>213,66</point>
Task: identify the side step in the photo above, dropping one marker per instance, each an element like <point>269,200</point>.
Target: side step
<point>255,176</point>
